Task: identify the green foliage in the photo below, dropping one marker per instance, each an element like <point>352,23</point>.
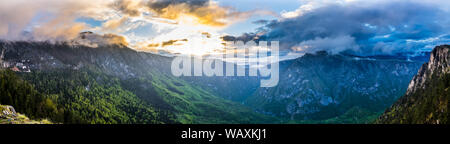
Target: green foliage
<point>429,105</point>
<point>355,115</point>
<point>89,97</point>
<point>189,103</point>
<point>22,95</point>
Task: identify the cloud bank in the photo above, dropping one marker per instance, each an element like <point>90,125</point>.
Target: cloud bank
<point>354,26</point>
<point>94,40</point>
<point>43,19</point>
<point>60,19</point>
<point>361,27</point>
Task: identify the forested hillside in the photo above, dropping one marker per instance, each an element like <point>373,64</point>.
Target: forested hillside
<point>113,84</point>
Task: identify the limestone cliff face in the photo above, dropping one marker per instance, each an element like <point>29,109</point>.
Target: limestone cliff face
<point>439,63</point>
<point>428,94</point>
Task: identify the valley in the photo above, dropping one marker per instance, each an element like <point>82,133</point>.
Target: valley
<point>115,84</point>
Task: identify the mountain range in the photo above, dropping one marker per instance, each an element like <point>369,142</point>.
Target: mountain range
<point>69,83</point>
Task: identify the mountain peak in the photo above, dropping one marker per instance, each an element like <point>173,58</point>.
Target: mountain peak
<point>91,39</point>
<point>438,64</point>
<point>427,97</point>
<point>440,59</point>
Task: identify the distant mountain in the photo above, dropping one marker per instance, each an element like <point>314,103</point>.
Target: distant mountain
<point>72,83</point>
<point>235,88</point>
<point>324,88</point>
<point>428,95</point>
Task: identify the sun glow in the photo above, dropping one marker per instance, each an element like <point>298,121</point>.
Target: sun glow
<point>188,37</point>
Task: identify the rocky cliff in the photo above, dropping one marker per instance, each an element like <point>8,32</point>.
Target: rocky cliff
<point>427,97</point>
<point>439,64</point>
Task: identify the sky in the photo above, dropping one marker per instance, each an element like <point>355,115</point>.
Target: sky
<point>277,6</point>
<point>179,26</point>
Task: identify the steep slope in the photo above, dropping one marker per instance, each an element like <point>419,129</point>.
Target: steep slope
<point>89,81</point>
<point>235,88</point>
<point>318,87</point>
<point>428,95</point>
<point>21,94</point>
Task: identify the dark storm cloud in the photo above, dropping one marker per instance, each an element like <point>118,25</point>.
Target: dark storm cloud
<point>366,29</point>
<point>128,7</point>
<point>159,5</point>
<point>205,12</point>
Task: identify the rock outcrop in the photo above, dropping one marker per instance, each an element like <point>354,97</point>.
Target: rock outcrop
<point>427,98</point>
<point>439,63</point>
<point>8,115</point>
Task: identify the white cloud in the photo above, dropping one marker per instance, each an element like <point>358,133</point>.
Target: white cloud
<point>311,5</point>
<point>330,44</point>
<point>56,18</point>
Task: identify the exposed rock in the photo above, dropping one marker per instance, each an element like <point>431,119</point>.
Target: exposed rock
<point>8,115</point>
<point>438,64</point>
<point>7,111</point>
<point>427,97</point>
